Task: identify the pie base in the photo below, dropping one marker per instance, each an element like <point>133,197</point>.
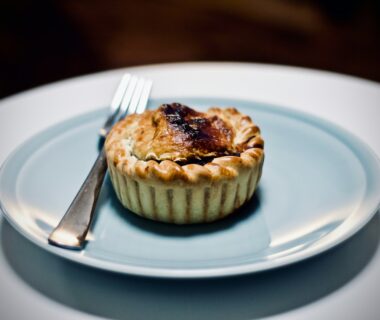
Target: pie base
<point>186,202</point>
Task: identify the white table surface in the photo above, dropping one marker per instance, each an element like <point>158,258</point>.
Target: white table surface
<point>342,283</point>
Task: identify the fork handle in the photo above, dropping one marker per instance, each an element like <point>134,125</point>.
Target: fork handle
<point>72,230</point>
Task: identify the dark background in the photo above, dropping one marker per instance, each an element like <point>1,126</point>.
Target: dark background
<point>44,41</point>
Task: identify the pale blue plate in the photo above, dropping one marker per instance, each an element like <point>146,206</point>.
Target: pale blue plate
<point>320,185</point>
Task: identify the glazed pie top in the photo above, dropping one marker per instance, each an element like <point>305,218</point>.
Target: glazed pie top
<point>178,133</point>
<point>176,136</point>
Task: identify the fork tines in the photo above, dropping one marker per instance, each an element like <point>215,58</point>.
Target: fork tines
<point>131,97</point>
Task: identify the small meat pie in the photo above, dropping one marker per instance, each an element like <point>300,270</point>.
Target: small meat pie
<point>181,166</point>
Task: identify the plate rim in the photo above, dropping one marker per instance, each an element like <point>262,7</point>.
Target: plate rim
<point>231,64</point>
<point>213,271</point>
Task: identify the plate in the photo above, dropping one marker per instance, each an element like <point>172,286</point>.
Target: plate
<point>320,185</point>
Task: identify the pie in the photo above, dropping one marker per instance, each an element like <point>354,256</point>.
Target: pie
<point>178,165</point>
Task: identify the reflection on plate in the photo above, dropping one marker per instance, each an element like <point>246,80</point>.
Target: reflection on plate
<point>320,185</point>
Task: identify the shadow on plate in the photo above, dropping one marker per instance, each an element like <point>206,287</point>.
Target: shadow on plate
<point>258,295</point>
<point>166,229</point>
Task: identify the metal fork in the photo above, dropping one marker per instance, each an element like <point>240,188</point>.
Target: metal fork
<point>130,97</point>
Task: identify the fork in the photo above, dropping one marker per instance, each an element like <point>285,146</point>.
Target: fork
<point>131,96</point>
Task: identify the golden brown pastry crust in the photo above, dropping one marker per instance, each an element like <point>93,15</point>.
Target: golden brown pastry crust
<point>154,147</point>
<point>152,163</point>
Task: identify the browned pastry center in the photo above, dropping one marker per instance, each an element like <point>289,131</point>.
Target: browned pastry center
<point>189,133</point>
